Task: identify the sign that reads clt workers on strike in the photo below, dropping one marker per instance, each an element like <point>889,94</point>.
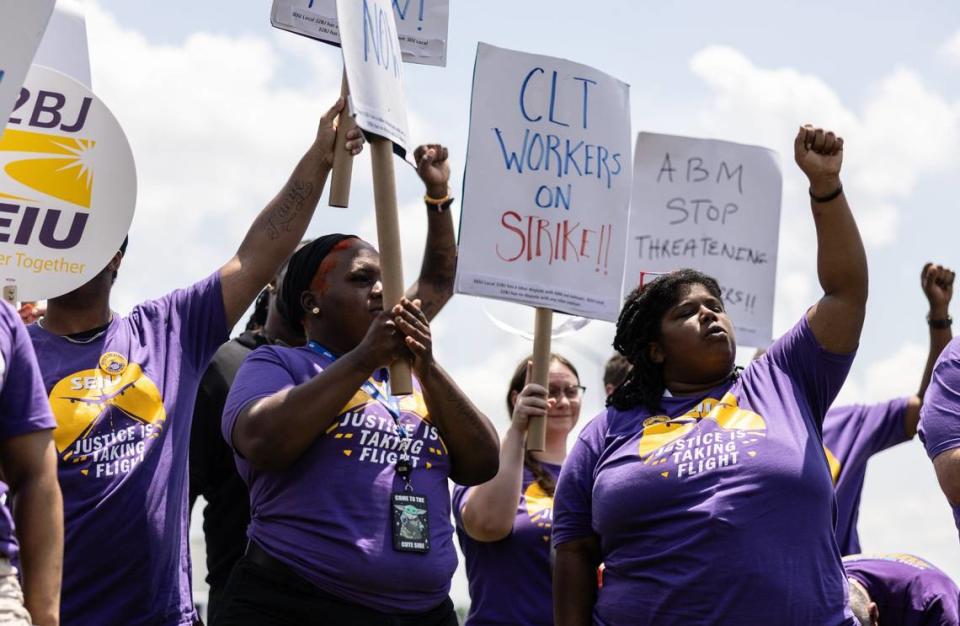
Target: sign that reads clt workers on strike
<point>371,56</point>
<point>547,184</point>
<point>21,28</point>
<point>421,25</point>
<point>713,206</point>
<point>67,187</point>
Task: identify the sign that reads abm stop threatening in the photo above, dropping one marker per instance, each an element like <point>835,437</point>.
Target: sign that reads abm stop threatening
<point>713,206</point>
<point>67,187</point>
<point>547,184</point>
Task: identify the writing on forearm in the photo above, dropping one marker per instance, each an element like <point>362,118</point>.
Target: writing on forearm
<point>289,208</point>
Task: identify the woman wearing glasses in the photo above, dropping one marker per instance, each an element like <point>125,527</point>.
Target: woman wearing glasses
<point>504,525</point>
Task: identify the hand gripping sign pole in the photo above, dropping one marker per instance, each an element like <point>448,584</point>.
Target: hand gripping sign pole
<point>543,324</point>
<point>372,60</point>
<point>342,160</point>
<point>388,238</point>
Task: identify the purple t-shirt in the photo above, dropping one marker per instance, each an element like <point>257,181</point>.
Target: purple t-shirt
<point>510,579</point>
<point>23,404</point>
<point>939,427</point>
<point>328,515</point>
<point>851,435</point>
<point>908,590</point>
<point>124,404</point>
<point>720,509</point>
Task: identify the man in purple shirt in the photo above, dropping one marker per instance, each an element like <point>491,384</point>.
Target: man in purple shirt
<point>900,590</point>
<point>854,433</point>
<point>122,389</point>
<point>29,463</point>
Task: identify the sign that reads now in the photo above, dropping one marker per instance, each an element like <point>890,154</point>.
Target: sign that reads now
<point>713,206</point>
<point>421,25</point>
<point>372,59</point>
<point>21,27</point>
<point>67,187</point>
<point>547,184</point>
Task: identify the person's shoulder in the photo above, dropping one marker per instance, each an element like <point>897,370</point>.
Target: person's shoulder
<point>950,357</point>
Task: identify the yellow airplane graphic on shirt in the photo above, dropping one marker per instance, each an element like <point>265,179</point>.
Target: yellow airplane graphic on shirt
<point>82,400</point>
<point>660,430</point>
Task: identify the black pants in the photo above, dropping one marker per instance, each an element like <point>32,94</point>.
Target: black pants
<point>257,595</point>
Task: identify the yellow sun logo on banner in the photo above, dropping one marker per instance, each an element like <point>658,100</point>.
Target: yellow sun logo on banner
<point>67,176</point>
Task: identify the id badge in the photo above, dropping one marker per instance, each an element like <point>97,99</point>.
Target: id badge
<point>411,525</point>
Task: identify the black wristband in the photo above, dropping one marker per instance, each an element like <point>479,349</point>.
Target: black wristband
<point>830,196</point>
<point>439,208</point>
<point>941,323</point>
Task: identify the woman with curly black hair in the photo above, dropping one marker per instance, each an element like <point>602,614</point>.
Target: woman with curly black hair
<point>704,490</point>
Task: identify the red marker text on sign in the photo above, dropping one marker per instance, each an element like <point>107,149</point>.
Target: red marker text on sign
<point>535,238</point>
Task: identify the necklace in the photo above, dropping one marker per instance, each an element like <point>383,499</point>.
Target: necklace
<point>80,340</point>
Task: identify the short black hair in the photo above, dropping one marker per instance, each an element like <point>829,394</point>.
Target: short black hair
<point>639,325</point>
<point>616,369</point>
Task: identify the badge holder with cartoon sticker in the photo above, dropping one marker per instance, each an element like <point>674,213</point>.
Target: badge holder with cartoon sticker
<point>409,512</point>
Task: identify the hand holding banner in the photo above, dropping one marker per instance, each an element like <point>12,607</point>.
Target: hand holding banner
<point>371,58</point>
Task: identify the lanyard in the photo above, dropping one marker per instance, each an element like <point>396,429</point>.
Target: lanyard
<point>403,466</point>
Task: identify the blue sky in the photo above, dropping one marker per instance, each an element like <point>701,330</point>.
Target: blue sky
<point>219,106</point>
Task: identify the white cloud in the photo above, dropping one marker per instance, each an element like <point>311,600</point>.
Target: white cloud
<point>216,125</point>
<point>951,49</point>
<point>903,131</point>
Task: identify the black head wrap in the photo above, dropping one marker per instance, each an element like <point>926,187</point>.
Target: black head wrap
<point>301,268</point>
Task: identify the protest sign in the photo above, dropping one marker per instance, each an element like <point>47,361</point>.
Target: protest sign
<point>64,45</point>
<point>713,206</point>
<point>21,28</point>
<point>546,192</point>
<point>547,184</point>
<point>421,25</point>
<point>371,58</point>
<point>67,187</point>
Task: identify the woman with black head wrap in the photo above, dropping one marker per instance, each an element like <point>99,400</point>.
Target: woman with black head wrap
<point>349,497</point>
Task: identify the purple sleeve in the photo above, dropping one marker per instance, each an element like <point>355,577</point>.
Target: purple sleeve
<point>816,373</point>
<point>940,415</point>
<point>262,374</point>
<point>459,495</point>
<point>200,316</point>
<point>573,501</point>
<point>24,407</point>
<point>883,424</point>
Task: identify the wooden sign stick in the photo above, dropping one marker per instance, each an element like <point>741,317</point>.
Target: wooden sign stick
<point>388,239</point>
<point>342,160</point>
<point>542,328</point>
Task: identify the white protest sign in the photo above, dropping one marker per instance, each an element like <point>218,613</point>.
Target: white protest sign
<point>547,184</point>
<point>421,25</point>
<point>22,23</point>
<point>713,206</point>
<point>64,45</point>
<point>67,187</point>
<point>371,57</point>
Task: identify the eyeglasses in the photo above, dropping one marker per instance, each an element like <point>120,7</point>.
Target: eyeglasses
<point>572,392</point>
